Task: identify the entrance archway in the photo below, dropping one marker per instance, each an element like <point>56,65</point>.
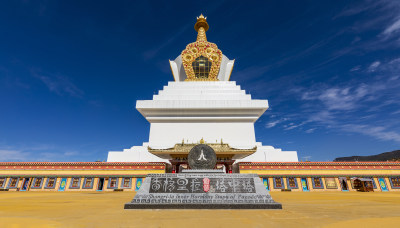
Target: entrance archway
<point>343,183</point>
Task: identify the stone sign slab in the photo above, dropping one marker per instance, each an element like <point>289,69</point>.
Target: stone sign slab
<point>202,191</point>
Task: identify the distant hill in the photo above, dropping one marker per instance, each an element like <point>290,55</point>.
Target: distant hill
<point>387,156</point>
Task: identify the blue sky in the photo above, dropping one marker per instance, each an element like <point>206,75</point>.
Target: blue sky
<point>71,72</point>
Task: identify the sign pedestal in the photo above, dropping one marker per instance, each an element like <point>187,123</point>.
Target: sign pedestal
<point>202,191</point>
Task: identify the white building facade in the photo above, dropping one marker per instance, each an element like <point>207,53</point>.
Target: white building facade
<point>202,104</point>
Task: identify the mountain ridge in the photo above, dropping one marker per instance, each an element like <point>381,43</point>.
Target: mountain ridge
<point>386,156</point>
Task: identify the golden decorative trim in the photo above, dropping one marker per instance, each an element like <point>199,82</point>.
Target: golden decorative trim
<point>182,150</point>
<point>201,48</point>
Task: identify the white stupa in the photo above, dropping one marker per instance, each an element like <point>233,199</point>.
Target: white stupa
<point>202,105</point>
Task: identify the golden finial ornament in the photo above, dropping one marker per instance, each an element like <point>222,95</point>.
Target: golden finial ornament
<point>201,59</point>
<point>201,141</point>
<point>201,28</point>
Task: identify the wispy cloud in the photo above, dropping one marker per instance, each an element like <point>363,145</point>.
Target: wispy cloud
<point>356,68</point>
<point>251,72</point>
<point>13,155</point>
<point>71,153</point>
<point>374,131</point>
<point>275,122</point>
<point>383,20</point>
<point>35,152</point>
<point>322,116</point>
<point>392,28</point>
<point>311,130</point>
<point>151,53</point>
<point>337,98</point>
<point>374,66</point>
<point>353,9</point>
<point>292,125</point>
<point>306,158</point>
<point>58,84</point>
<point>356,106</point>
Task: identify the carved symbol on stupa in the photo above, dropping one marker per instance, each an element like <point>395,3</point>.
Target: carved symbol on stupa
<point>202,157</point>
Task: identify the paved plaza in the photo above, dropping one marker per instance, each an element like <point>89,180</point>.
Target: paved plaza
<point>300,209</point>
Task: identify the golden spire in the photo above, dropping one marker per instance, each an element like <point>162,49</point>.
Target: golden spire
<point>201,59</point>
<point>201,27</point>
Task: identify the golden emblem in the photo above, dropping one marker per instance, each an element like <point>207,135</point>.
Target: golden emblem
<point>201,59</point>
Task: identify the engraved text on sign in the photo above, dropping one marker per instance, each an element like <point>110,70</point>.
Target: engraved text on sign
<point>196,185</point>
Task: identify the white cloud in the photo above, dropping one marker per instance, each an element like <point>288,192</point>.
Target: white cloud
<point>323,116</point>
<point>275,122</point>
<point>311,130</point>
<point>356,68</point>
<point>252,72</point>
<point>306,158</point>
<point>376,132</point>
<point>58,84</point>
<point>35,152</point>
<point>395,112</point>
<point>71,153</point>
<point>354,9</point>
<point>292,126</point>
<point>149,54</point>
<point>373,67</point>
<point>337,98</point>
<point>355,106</point>
<point>13,155</point>
<point>394,27</point>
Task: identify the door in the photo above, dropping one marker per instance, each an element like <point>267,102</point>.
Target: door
<point>100,185</point>
<point>265,182</point>
<point>63,183</point>
<point>383,185</point>
<point>138,183</point>
<point>25,184</point>
<point>304,184</point>
<point>343,183</point>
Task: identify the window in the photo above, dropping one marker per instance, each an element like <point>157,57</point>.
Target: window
<point>373,181</point>
<point>330,183</point>
<point>201,67</point>
<point>355,183</point>
<point>278,182</point>
<point>113,182</point>
<point>126,182</point>
<point>13,182</point>
<point>2,182</point>
<point>37,182</point>
<point>395,182</point>
<point>88,183</point>
<point>75,182</point>
<point>291,182</point>
<point>50,183</point>
<point>317,183</point>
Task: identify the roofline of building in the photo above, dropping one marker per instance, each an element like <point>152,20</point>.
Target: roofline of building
<point>320,163</point>
<point>80,163</point>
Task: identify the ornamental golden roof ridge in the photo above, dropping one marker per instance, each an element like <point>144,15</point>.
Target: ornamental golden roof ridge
<point>216,146</point>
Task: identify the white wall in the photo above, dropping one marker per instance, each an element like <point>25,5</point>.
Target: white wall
<point>237,135</point>
<point>270,154</point>
<point>134,154</point>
